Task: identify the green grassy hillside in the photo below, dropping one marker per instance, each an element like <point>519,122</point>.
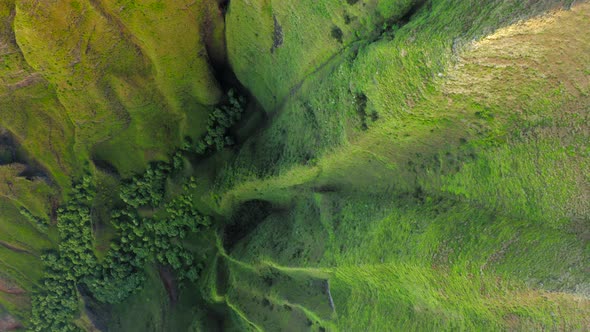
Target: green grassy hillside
<point>84,85</point>
<point>422,172</point>
<point>398,165</point>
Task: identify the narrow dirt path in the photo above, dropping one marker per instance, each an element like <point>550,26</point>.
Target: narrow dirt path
<point>169,284</point>
<point>15,248</point>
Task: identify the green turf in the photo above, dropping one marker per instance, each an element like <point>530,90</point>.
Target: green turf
<point>83,82</point>
<point>443,194</point>
<point>118,82</point>
<point>407,172</point>
<point>21,243</point>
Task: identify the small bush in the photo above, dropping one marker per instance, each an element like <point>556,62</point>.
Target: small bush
<point>337,34</point>
<point>41,223</point>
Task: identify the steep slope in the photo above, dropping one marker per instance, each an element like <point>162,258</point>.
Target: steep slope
<point>116,79</point>
<point>84,88</point>
<point>401,164</point>
<point>431,192</point>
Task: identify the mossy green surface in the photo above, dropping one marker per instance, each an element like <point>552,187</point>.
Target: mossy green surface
<point>83,83</point>
<point>441,193</point>
<point>117,81</point>
<point>409,167</point>
<point>274,46</point>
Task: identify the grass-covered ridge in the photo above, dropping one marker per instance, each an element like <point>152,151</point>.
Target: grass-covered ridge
<point>454,162</point>
<point>85,88</point>
<point>398,165</point>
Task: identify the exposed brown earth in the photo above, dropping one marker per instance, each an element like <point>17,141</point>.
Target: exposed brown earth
<point>169,284</point>
<point>9,287</point>
<point>9,323</point>
<point>14,248</point>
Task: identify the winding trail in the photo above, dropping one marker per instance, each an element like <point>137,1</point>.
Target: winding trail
<point>15,248</point>
<point>169,284</point>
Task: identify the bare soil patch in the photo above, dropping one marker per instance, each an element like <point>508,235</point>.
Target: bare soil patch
<point>169,283</point>
<point>9,323</point>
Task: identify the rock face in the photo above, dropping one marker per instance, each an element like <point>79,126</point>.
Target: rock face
<point>9,287</point>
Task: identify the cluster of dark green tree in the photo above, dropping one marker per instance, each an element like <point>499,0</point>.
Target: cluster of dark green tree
<point>144,240</point>
<point>148,189</point>
<point>219,123</point>
<point>56,302</point>
<point>140,240</point>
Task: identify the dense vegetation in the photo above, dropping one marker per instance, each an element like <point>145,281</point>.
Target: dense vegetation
<point>147,189</point>
<point>144,240</point>
<point>220,120</point>
<point>401,165</point>
<point>56,303</point>
<point>140,240</point>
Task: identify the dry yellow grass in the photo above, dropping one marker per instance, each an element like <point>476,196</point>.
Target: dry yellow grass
<point>554,49</point>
